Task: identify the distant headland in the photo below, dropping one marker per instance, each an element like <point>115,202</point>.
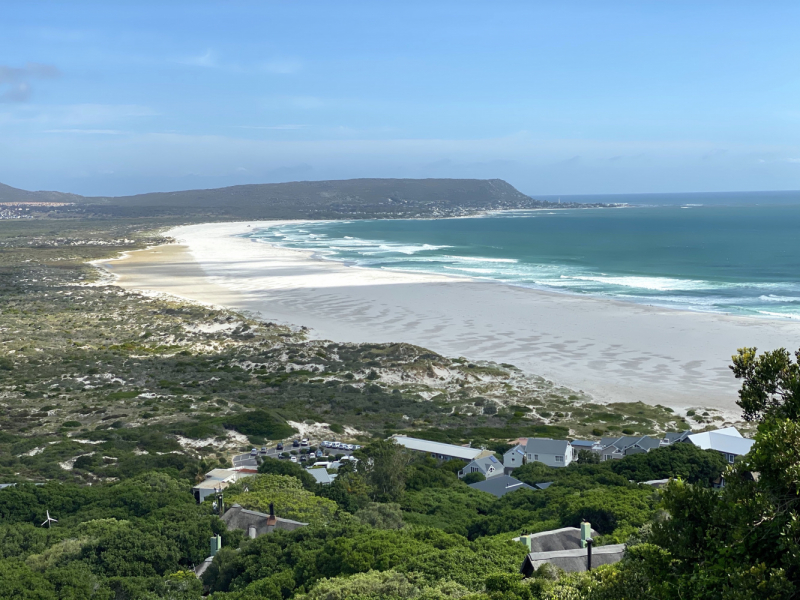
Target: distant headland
<point>338,199</point>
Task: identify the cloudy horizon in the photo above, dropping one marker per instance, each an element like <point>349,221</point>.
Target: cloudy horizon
<point>567,98</point>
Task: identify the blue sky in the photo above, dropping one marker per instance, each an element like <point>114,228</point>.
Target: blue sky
<point>555,97</point>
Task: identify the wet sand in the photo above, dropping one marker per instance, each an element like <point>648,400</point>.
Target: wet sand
<point>615,351</point>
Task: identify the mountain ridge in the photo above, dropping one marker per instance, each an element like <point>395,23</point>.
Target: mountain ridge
<point>343,198</point>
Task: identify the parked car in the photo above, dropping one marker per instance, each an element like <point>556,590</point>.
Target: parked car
<point>296,444</point>
<point>279,446</point>
<point>263,449</point>
<point>293,459</point>
<point>319,453</point>
<point>304,442</point>
<point>254,452</point>
<point>325,444</point>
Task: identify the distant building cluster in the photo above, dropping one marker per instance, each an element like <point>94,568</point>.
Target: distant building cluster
<point>560,453</point>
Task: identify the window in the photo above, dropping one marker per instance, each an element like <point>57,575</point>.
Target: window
<point>730,457</point>
<point>535,457</point>
<point>607,457</point>
<point>474,470</point>
<point>559,459</point>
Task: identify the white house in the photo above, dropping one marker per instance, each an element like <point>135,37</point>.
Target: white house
<point>488,466</point>
<point>515,457</point>
<point>728,442</point>
<point>553,453</point>
<point>218,479</point>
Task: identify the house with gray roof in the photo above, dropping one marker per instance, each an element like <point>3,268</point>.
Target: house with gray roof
<point>513,458</point>
<point>255,523</point>
<point>673,437</point>
<point>488,466</point>
<point>561,548</point>
<point>501,485</point>
<point>615,448</point>
<point>553,453</point>
<point>322,476</point>
<point>574,560</point>
<point>566,538</point>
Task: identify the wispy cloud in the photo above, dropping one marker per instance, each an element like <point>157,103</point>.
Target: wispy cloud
<point>17,92</point>
<point>87,131</point>
<point>287,127</point>
<point>304,102</point>
<point>30,70</point>
<point>15,81</point>
<point>68,117</point>
<point>208,59</point>
<point>283,66</point>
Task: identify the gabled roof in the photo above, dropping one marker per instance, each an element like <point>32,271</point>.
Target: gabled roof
<point>321,475</point>
<point>237,517</point>
<point>501,485</point>
<point>437,447</point>
<point>573,560</point>
<point>677,436</point>
<point>566,538</point>
<point>646,443</point>
<point>546,446</point>
<point>485,463</point>
<point>517,450</point>
<point>626,441</point>
<point>727,440</point>
<point>620,443</point>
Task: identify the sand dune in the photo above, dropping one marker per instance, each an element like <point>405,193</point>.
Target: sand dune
<point>615,351</point>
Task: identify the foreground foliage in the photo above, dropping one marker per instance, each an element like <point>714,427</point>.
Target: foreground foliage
<point>141,396</point>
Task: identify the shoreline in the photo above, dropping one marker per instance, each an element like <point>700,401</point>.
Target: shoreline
<point>612,350</point>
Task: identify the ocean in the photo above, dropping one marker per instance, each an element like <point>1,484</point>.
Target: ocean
<point>695,252</point>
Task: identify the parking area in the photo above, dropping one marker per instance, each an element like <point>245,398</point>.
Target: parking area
<point>300,447</point>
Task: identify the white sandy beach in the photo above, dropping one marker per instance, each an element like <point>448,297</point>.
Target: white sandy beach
<point>613,350</point>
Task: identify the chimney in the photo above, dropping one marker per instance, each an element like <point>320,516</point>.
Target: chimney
<point>586,532</point>
<point>216,544</point>
<point>271,520</point>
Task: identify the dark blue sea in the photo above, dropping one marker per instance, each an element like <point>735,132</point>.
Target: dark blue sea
<point>733,253</point>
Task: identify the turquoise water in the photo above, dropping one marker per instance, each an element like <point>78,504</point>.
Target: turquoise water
<point>740,259</point>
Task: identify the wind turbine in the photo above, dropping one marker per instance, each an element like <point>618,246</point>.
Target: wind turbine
<point>49,520</point>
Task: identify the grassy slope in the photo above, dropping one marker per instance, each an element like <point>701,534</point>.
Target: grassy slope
<point>88,369</point>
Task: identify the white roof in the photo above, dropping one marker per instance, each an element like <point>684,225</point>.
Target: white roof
<point>727,440</point>
<point>222,474</point>
<point>437,448</point>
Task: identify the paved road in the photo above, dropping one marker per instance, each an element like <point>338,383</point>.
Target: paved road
<point>244,461</point>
